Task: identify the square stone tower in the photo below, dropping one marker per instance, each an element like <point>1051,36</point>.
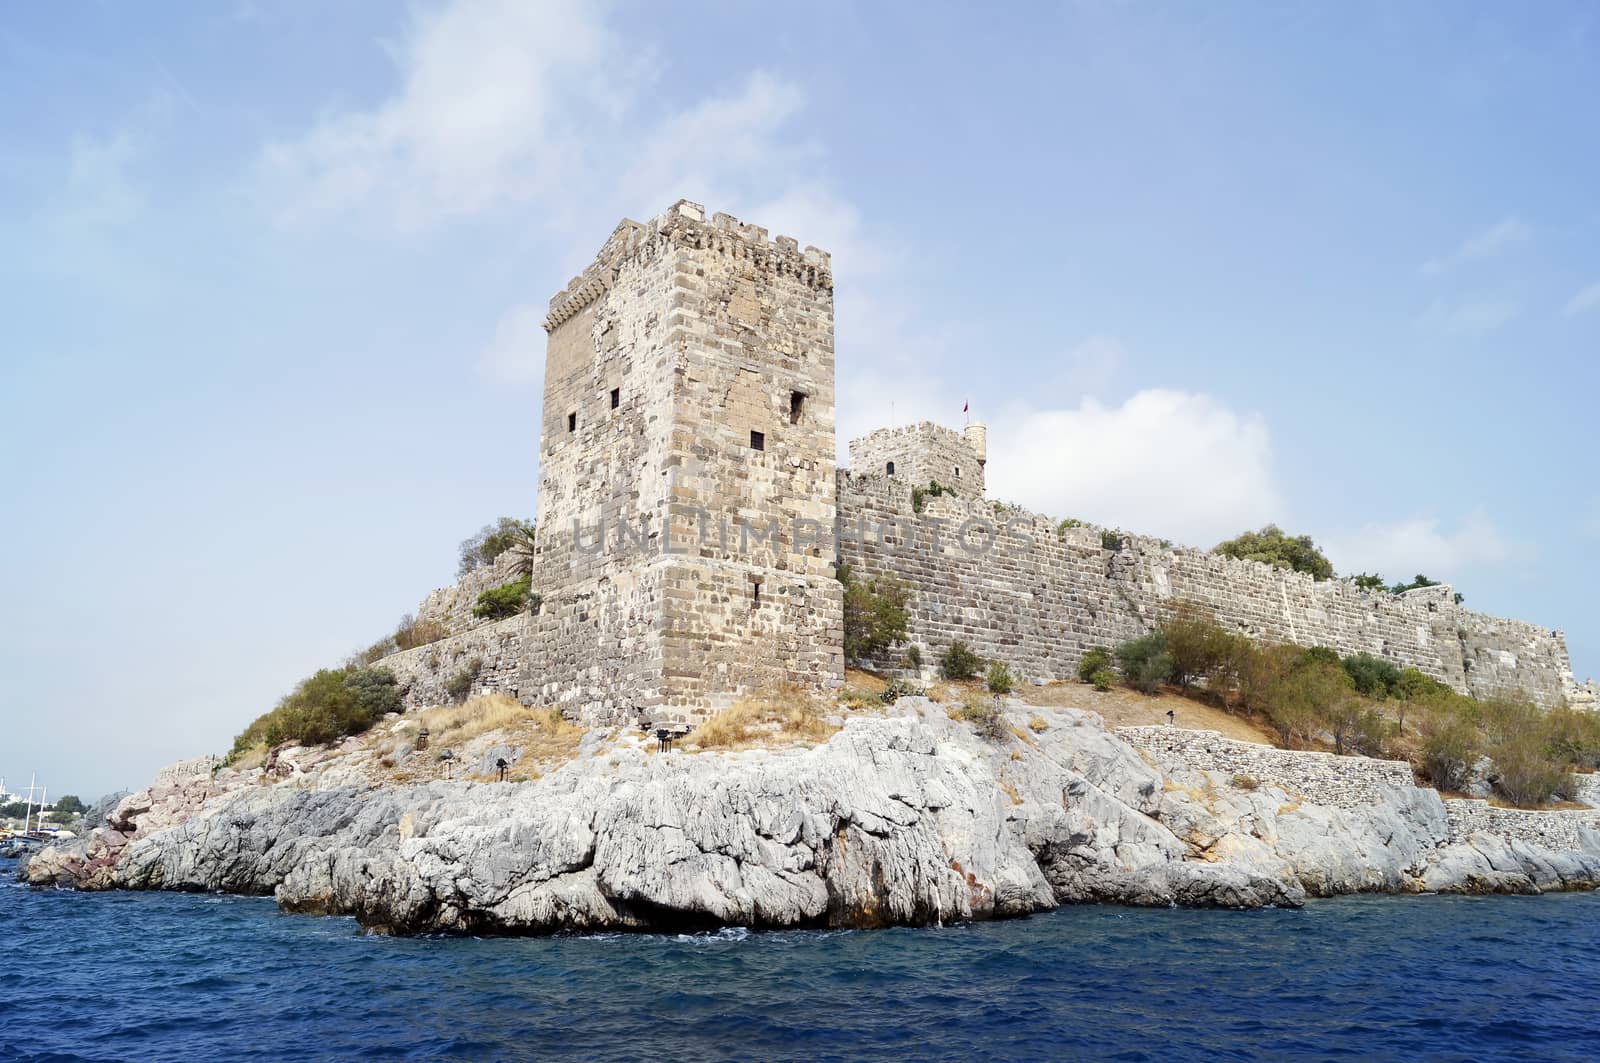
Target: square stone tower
<point>687,489</point>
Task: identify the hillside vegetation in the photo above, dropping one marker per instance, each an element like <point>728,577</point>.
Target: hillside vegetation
<point>1359,703</point>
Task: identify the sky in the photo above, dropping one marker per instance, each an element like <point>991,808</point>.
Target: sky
<point>274,276</point>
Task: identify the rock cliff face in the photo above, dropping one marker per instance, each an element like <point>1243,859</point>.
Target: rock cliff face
<point>905,819</point>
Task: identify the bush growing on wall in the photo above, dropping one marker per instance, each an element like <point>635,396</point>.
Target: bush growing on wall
<point>959,662</point>
<point>492,540</point>
<point>413,632</point>
<point>1272,546</point>
<point>508,599</point>
<point>875,615</point>
<point>459,685</point>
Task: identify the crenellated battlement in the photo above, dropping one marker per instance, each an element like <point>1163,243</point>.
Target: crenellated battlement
<point>684,225</point>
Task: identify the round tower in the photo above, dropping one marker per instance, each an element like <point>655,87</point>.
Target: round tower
<point>978,439</point>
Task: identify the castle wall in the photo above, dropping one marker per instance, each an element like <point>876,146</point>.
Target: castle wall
<point>493,652</point>
<point>1356,782</point>
<point>921,453</point>
<point>715,339</point>
<point>1041,596</point>
<point>452,606</point>
<point>1324,778</point>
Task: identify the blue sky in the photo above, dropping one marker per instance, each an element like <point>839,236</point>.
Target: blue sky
<point>275,272</point>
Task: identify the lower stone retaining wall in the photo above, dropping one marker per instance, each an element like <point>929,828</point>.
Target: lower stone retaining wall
<point>1354,782</point>
<point>1327,779</point>
<point>1560,829</point>
<point>425,672</point>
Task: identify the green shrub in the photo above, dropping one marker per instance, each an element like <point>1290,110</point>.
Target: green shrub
<point>1144,662</point>
<point>1450,747</point>
<point>1373,677</point>
<point>1414,686</point>
<point>326,706</point>
<point>1067,525</point>
<point>959,662</point>
<point>1574,736</point>
<point>1310,694</point>
<point>935,489</point>
<point>1103,679</point>
<point>875,615</point>
<point>1096,659</point>
<point>413,633</point>
<point>913,656</point>
<point>1197,644</point>
<point>1271,546</point>
<point>999,678</point>
<point>1369,581</point>
<point>1110,539</point>
<point>508,599</point>
<point>492,540</point>
<point>459,685</point>
<point>984,716</point>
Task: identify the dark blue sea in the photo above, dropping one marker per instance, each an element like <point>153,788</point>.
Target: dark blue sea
<point>191,977</point>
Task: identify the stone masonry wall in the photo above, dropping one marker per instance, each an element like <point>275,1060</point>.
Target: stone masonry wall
<point>1354,782</point>
<point>1023,591</point>
<point>921,453</point>
<point>1326,779</point>
<point>452,606</point>
<point>498,648</point>
<point>688,387</point>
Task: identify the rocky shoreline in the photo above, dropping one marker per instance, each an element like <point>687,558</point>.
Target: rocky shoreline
<point>903,819</point>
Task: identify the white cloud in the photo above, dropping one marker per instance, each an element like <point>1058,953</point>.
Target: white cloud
<point>1163,462</point>
<point>1487,243</point>
<point>1404,548</point>
<point>516,353</point>
<point>483,115</point>
<point>1473,317</point>
<point>1587,299</point>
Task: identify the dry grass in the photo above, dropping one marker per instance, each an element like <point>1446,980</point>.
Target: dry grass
<point>451,725</point>
<point>255,757</point>
<point>782,716</point>
<point>1129,708</point>
<point>871,682</point>
<point>543,736</point>
<point>1038,725</point>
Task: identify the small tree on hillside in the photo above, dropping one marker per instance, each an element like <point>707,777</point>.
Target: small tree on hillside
<point>1272,546</point>
<point>492,540</point>
<point>875,615</point>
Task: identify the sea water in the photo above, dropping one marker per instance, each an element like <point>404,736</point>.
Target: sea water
<point>152,976</point>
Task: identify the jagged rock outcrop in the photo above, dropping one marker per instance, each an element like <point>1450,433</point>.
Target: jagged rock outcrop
<point>905,819</point>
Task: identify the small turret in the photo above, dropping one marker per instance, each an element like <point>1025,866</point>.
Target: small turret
<point>977,434</point>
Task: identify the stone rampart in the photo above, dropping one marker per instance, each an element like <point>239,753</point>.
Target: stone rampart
<point>1555,829</point>
<point>491,655</point>
<point>1016,586</point>
<point>1324,778</point>
<point>452,606</point>
<point>1355,782</point>
<point>919,454</point>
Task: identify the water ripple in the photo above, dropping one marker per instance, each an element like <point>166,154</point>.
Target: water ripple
<point>187,977</point>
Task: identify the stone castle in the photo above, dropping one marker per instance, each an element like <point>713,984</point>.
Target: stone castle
<point>691,514</point>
